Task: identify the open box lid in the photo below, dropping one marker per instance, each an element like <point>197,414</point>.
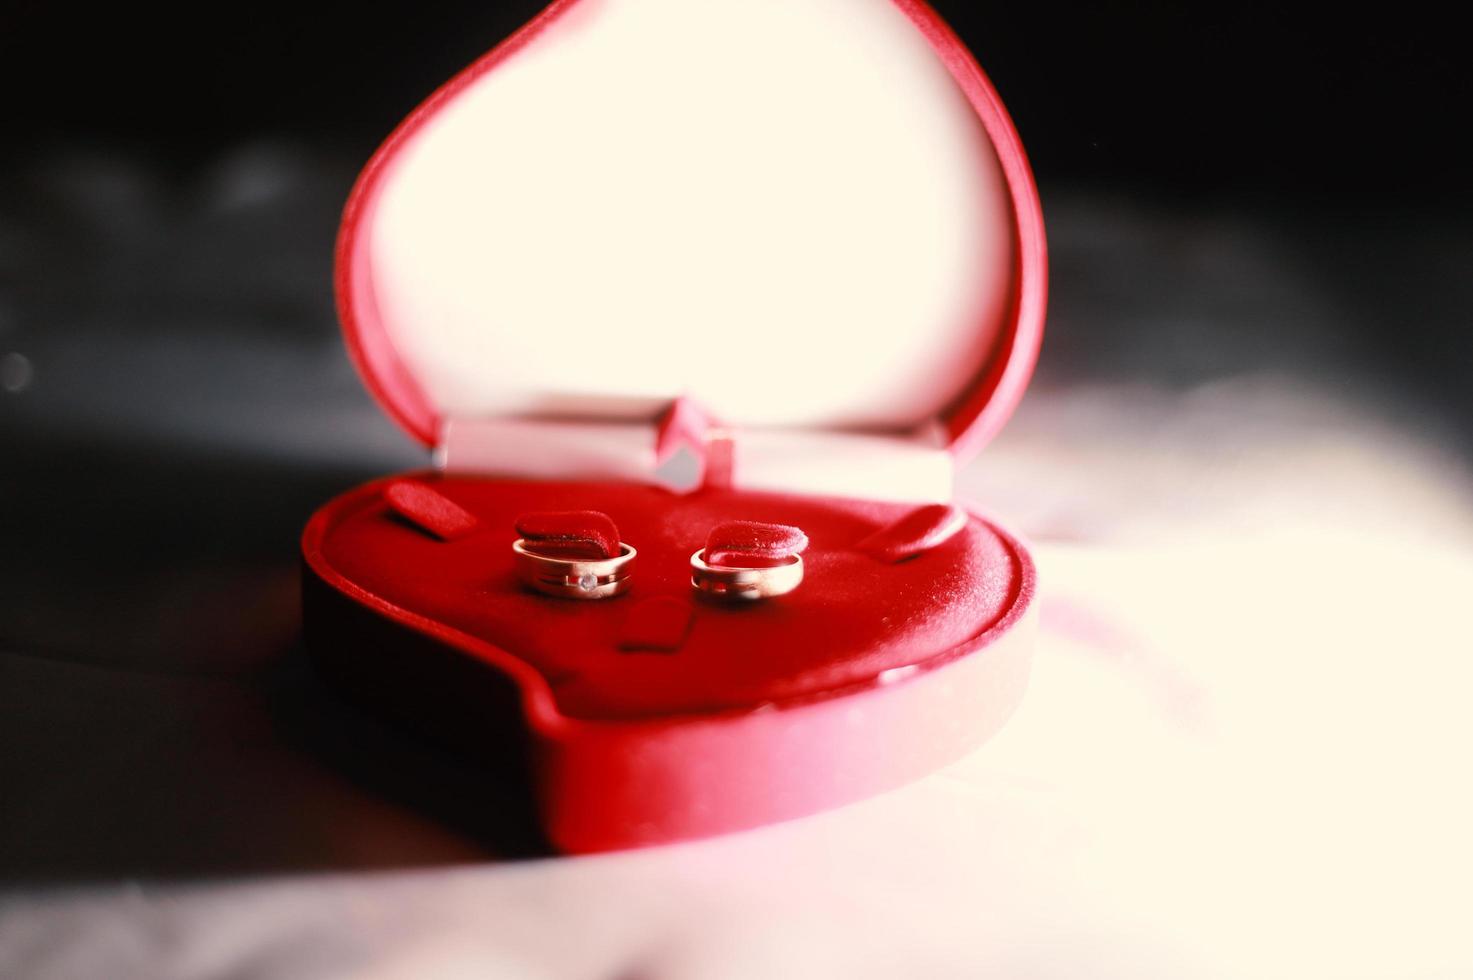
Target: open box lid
<point>804,216</point>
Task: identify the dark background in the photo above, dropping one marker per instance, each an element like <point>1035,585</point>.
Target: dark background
<point>1369,103</point>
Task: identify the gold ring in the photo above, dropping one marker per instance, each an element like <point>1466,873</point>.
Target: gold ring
<point>575,578</point>
<point>735,582</point>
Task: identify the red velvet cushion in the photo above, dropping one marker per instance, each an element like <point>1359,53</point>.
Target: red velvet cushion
<point>753,544</point>
<point>429,510</point>
<point>915,533</point>
<point>658,623</point>
<point>570,533</point>
<point>851,619</point>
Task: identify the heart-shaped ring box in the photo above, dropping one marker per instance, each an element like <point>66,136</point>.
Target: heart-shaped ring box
<point>810,220</point>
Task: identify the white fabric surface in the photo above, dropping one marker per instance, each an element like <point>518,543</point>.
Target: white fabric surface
<point>1243,753</point>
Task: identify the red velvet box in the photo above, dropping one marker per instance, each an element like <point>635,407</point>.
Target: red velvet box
<point>798,238</point>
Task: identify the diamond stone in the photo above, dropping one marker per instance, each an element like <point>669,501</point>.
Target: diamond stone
<point>588,581</point>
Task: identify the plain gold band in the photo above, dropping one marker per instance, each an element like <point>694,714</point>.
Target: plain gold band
<point>730,582</point>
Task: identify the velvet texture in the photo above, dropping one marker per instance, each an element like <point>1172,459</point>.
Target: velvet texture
<point>916,533</point>
<point>657,624</point>
<point>752,544</point>
<point>851,619</point>
<point>570,533</point>
<point>429,510</point>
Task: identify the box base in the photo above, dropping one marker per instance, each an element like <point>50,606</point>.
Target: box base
<point>871,676</point>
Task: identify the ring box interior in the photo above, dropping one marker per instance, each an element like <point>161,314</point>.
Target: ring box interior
<point>796,245</point>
